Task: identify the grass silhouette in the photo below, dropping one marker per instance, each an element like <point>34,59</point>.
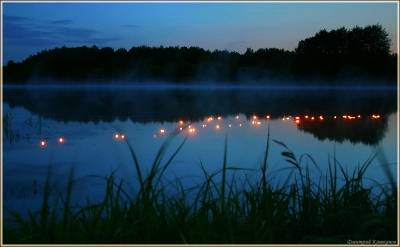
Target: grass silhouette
<point>219,210</point>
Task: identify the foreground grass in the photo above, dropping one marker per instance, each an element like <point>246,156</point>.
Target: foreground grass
<point>254,212</point>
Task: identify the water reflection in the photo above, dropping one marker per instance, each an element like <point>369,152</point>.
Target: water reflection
<point>98,148</point>
<point>368,130</point>
<point>185,105</point>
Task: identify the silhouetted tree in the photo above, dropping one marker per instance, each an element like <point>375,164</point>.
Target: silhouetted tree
<point>360,52</point>
<point>369,49</point>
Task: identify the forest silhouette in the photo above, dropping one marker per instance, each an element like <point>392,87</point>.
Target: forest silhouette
<point>334,57</point>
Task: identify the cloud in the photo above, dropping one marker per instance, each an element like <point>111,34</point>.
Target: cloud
<point>130,26</point>
<point>61,22</point>
<point>94,41</point>
<point>29,32</point>
<point>74,33</point>
<point>12,18</point>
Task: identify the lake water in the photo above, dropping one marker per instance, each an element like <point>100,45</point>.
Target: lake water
<point>77,127</point>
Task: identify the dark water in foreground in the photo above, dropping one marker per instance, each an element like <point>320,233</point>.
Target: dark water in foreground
<point>349,124</point>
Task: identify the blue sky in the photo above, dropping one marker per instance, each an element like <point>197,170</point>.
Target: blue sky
<point>28,28</point>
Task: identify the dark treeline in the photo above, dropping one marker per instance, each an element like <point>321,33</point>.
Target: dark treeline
<point>334,56</point>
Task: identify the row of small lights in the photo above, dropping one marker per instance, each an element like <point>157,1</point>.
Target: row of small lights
<point>59,140</point>
<point>192,129</point>
<point>297,120</point>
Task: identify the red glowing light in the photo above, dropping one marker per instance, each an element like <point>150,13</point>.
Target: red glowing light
<point>42,143</point>
<point>117,136</point>
<point>60,140</point>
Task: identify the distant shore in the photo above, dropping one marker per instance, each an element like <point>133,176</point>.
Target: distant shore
<point>339,57</point>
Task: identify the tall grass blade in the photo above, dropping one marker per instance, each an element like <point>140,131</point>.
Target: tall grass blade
<point>135,161</point>
<point>222,196</point>
<point>385,166</point>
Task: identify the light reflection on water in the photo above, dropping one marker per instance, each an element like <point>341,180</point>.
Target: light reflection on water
<point>99,148</point>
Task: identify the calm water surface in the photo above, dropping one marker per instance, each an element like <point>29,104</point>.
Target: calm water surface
<point>348,124</point>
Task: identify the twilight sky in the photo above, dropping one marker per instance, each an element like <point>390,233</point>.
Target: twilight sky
<point>28,28</point>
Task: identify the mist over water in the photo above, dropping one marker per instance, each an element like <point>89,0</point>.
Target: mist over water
<point>268,83</point>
